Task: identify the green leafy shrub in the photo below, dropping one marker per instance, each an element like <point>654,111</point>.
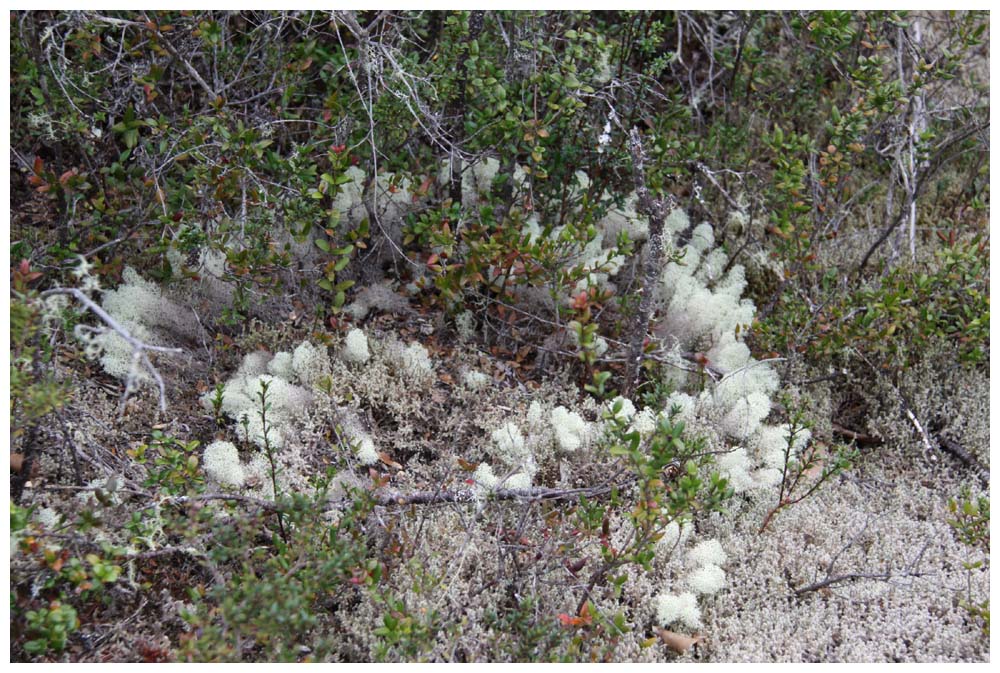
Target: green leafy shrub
<point>51,628</point>
<point>277,603</point>
<point>972,526</point>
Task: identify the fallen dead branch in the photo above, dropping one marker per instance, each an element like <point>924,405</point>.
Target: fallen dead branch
<point>956,449</point>
<point>859,437</point>
<point>391,498</point>
<point>909,571</point>
<point>470,495</point>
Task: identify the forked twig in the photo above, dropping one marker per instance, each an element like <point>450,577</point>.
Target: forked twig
<point>139,348</point>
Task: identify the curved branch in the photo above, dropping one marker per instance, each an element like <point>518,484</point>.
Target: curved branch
<point>139,348</point>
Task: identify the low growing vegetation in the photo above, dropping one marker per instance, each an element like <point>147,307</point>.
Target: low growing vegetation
<point>494,336</point>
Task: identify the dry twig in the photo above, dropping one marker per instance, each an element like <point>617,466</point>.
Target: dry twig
<point>139,348</point>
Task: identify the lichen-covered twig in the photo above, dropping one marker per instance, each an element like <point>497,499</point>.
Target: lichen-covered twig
<point>390,498</point>
<point>469,495</point>
<point>656,210</point>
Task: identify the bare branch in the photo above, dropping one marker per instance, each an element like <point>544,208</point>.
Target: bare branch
<point>139,348</point>
<point>656,210</point>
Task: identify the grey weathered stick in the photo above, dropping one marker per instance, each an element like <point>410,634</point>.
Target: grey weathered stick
<point>656,210</point>
<point>422,497</point>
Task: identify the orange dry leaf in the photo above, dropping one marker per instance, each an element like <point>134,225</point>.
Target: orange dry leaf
<point>384,457</point>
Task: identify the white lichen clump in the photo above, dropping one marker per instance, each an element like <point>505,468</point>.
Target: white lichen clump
<point>281,366</point>
<point>222,463</point>
<point>365,449</point>
<point>682,608</point>
<point>367,453</point>
<point>735,466</point>
<point>241,397</point>
<point>518,481</point>
<point>645,422</point>
<point>310,363</point>
<point>570,428</point>
<point>626,410</point>
<point>139,307</point>
<point>707,552</point>
<point>704,312</point>
<point>674,535</point>
<point>356,347</point>
<point>509,441</point>
<point>486,481</point>
<point>510,447</point>
<point>484,477</point>
<point>415,361</point>
<point>476,380</point>
<point>707,580</point>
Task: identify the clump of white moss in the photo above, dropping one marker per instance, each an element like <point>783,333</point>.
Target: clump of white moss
<point>222,463</point>
<point>569,427</point>
<point>476,380</point>
<point>356,347</point>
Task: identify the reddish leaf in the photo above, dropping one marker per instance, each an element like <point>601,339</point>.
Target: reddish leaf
<point>567,620</point>
<point>384,457</point>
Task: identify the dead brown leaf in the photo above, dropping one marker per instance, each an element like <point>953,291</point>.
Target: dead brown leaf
<point>678,642</point>
<point>16,462</point>
<point>384,457</point>
<point>467,466</point>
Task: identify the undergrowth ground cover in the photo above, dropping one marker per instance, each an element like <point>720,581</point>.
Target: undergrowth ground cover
<point>499,336</point>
